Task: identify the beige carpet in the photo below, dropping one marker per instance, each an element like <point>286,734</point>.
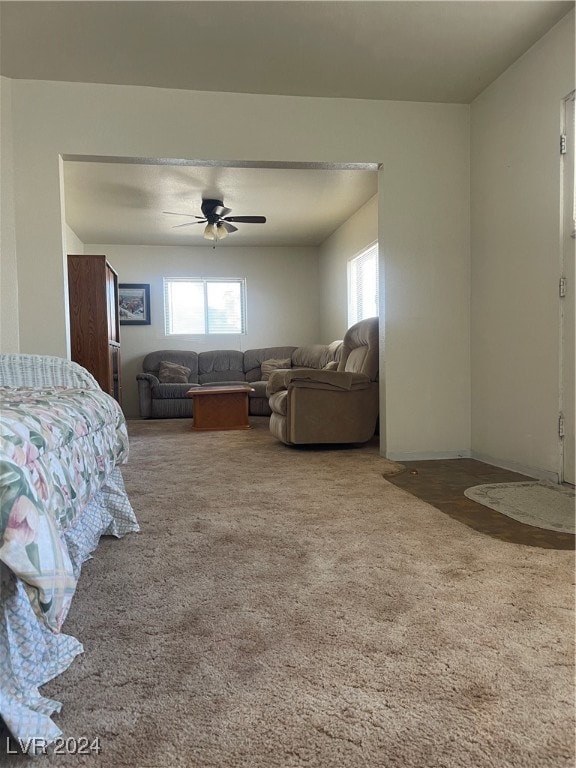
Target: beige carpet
<point>288,607</point>
<point>540,504</point>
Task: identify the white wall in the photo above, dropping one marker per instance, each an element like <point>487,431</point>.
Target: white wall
<point>281,289</point>
<point>72,244</point>
<point>423,213</point>
<point>424,301</point>
<point>515,166</point>
<point>353,236</point>
<point>9,324</point>
<point>424,249</point>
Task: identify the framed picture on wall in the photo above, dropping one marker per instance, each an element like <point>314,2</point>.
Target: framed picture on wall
<point>134,303</point>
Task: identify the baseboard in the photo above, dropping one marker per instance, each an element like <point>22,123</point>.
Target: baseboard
<point>427,455</point>
<point>515,466</point>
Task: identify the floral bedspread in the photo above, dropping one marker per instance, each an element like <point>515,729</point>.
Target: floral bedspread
<point>57,447</point>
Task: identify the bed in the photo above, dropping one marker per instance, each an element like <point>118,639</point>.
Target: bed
<point>62,441</point>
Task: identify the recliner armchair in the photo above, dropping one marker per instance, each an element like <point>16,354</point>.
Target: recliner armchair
<point>330,406</point>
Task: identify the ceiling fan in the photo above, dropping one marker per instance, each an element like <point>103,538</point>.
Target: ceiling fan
<point>217,220</point>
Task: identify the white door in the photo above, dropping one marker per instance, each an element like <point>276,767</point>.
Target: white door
<point>568,319</point>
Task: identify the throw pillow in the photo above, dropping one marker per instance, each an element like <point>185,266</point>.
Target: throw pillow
<point>172,373</point>
<point>268,366</point>
<point>333,366</point>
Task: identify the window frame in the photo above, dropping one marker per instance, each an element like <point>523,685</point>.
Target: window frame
<point>205,282</point>
<point>353,313</point>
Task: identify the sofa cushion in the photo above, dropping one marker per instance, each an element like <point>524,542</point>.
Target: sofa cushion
<point>221,365</point>
<point>274,365</point>
<point>258,406</point>
<point>279,402</point>
<point>311,356</point>
<point>253,359</point>
<point>360,348</point>
<point>335,350</point>
<point>172,373</point>
<point>331,366</point>
<point>170,391</point>
<point>151,362</point>
<point>259,388</point>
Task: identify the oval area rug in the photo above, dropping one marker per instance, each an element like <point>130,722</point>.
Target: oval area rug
<point>542,505</point>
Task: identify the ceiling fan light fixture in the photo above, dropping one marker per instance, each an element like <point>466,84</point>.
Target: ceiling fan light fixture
<point>215,216</point>
<point>210,232</point>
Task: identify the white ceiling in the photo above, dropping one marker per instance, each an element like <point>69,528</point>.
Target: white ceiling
<point>411,50</point>
<point>123,203</point>
<point>408,50</point>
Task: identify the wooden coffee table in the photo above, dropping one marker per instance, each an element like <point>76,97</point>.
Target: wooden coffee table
<point>220,406</point>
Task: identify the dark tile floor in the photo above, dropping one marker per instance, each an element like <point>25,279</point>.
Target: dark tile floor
<point>442,483</point>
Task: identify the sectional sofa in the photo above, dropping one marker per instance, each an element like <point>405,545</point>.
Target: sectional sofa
<point>162,398</point>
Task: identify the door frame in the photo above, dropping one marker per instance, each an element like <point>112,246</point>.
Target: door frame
<point>567,246</point>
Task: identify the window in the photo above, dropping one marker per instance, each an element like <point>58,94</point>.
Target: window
<point>204,306</point>
<point>363,285</point>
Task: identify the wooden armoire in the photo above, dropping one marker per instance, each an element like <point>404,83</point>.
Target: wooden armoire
<point>94,321</point>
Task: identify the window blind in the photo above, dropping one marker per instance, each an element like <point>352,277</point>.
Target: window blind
<point>204,306</point>
<point>363,285</point>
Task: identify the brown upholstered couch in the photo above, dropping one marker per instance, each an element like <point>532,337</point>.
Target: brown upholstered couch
<point>168,400</point>
<point>330,406</point>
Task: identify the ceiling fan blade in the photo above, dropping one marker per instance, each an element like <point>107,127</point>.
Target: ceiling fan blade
<point>247,219</point>
<point>220,210</point>
<point>188,224</point>
<point>227,227</point>
<point>173,213</point>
